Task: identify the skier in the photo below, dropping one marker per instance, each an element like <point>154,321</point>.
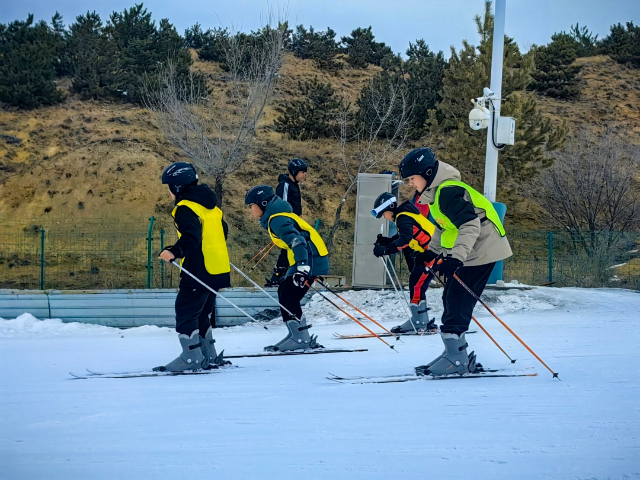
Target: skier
<point>307,258</point>
<point>414,232</point>
<point>468,240</point>
<point>288,189</point>
<point>202,248</point>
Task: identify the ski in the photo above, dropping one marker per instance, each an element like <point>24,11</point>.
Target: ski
<point>303,352</point>
<point>402,375</point>
<point>368,335</point>
<point>413,378</point>
<point>146,373</point>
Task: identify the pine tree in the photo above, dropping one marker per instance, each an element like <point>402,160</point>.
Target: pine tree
<point>424,75</point>
<point>321,47</point>
<point>93,61</point>
<point>313,114</point>
<point>623,44</point>
<point>27,64</point>
<point>468,72</point>
<point>554,74</point>
<point>362,49</point>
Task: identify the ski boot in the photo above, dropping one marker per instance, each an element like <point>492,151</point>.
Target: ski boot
<point>211,358</point>
<point>420,319</point>
<point>298,338</point>
<point>276,277</point>
<point>454,359</point>
<point>191,357</point>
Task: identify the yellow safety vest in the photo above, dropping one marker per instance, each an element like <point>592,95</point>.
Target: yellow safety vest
<point>214,246</point>
<point>450,231</point>
<point>423,237</point>
<point>315,237</point>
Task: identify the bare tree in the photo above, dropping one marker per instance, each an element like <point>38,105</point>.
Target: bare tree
<point>374,141</point>
<point>216,128</point>
<point>593,187</point>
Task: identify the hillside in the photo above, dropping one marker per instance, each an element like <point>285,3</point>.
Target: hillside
<point>103,160</point>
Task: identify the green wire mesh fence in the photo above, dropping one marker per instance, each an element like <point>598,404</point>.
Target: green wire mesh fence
<point>68,254</point>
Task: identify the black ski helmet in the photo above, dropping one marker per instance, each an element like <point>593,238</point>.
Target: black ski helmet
<point>296,166</point>
<point>386,202</point>
<point>178,176</point>
<point>260,195</point>
<point>419,161</point>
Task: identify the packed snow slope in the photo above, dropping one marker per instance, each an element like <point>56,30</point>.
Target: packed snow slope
<point>281,418</point>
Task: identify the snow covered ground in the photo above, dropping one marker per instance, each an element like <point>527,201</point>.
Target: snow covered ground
<point>281,418</point>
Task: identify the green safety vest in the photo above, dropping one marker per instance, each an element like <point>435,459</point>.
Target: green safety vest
<point>314,236</point>
<point>450,231</point>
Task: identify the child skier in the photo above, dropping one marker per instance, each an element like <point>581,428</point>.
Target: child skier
<point>288,189</point>
<point>307,258</point>
<point>468,240</point>
<point>202,248</point>
<point>414,232</point>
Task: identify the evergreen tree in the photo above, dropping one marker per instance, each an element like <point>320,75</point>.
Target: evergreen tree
<point>60,60</point>
<point>28,54</point>
<point>586,43</point>
<point>362,49</point>
<point>623,44</point>
<point>313,114</point>
<point>212,49</point>
<point>554,74</point>
<point>424,74</point>
<point>195,37</point>
<point>321,47</point>
<point>142,48</point>
<point>468,72</point>
<point>93,59</point>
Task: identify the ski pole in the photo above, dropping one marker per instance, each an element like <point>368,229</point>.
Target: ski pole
<point>353,318</point>
<point>398,294</point>
<point>262,257</point>
<point>257,254</point>
<point>263,290</point>
<point>355,308</point>
<point>400,288</point>
<point>218,294</point>
<point>477,322</point>
<point>471,292</point>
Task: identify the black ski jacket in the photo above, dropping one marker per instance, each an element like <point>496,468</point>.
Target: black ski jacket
<point>289,191</point>
<point>189,244</point>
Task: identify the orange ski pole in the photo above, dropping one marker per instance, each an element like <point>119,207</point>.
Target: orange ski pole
<point>263,256</point>
<point>478,323</point>
<point>555,375</point>
<point>256,255</point>
<point>357,309</point>
<point>353,318</point>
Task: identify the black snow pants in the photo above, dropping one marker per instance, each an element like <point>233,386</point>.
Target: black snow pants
<point>458,303</point>
<point>290,296</point>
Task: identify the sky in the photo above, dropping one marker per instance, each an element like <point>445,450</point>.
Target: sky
<point>441,23</point>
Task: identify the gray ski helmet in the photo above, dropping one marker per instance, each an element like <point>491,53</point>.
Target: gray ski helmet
<point>419,161</point>
<point>260,195</point>
<point>386,202</point>
<point>178,176</point>
<point>296,166</point>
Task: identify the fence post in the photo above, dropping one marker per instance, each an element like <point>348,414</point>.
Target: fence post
<point>149,240</point>
<point>42,259</point>
<point>161,262</point>
<point>317,225</point>
<point>550,257</point>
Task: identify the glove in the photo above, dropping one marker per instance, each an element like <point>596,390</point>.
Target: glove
<point>447,266</point>
<point>301,275</point>
<point>427,256</point>
<point>379,250</point>
<point>384,241</point>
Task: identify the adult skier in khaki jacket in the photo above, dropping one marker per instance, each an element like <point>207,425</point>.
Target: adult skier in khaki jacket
<point>468,240</point>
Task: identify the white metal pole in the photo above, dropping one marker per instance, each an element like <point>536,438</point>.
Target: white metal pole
<point>497,57</point>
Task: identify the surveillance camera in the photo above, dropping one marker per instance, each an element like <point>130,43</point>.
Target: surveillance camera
<point>487,93</point>
<point>479,118</point>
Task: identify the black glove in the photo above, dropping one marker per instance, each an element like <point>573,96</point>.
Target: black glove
<point>301,275</point>
<point>384,241</point>
<point>379,250</point>
<point>447,266</point>
<point>427,256</point>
